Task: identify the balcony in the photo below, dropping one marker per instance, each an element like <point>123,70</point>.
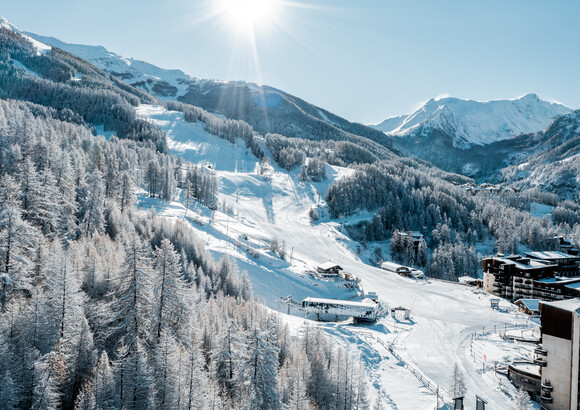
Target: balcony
<point>518,280</point>
<point>498,284</point>
<point>546,399</point>
<point>540,362</point>
<point>540,351</point>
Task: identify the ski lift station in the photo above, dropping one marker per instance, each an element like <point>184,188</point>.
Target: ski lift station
<point>332,309</point>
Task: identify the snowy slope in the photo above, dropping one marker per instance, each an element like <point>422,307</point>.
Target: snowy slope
<point>444,315</point>
<point>476,123</point>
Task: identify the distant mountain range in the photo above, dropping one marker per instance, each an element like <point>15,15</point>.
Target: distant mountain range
<point>470,123</point>
<point>473,138</point>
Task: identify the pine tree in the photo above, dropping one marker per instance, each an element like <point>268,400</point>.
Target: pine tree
<point>50,374</point>
<point>137,384</point>
<point>8,393</point>
<point>260,373</point>
<point>131,299</point>
<point>103,383</point>
<point>169,308</point>
<point>92,205</point>
<point>522,400</point>
<point>16,242</point>
<point>457,382</point>
<point>167,371</point>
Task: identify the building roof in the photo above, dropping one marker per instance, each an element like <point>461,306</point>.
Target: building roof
<point>364,302</point>
<point>328,266</point>
<point>575,285</point>
<point>531,304</point>
<point>551,255</point>
<point>548,280</point>
<point>527,367</point>
<point>571,305</point>
<point>522,266</point>
<point>393,265</point>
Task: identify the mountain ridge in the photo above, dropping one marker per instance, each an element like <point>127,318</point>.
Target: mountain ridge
<point>470,122</point>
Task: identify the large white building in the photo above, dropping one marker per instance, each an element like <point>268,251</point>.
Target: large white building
<point>559,354</point>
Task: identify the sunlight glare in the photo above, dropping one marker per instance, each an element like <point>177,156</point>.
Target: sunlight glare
<point>247,15</point>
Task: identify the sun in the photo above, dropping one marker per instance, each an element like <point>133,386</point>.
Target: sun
<point>248,15</point>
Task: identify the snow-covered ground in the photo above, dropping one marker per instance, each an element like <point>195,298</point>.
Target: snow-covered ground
<point>405,360</point>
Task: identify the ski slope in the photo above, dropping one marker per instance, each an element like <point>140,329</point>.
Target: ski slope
<point>423,351</point>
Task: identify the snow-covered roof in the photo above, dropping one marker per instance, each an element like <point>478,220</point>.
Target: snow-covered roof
<point>531,304</point>
<point>551,255</point>
<point>527,367</point>
<point>364,302</point>
<point>328,266</point>
<point>393,265</point>
<point>575,285</point>
<point>571,305</point>
<point>522,266</point>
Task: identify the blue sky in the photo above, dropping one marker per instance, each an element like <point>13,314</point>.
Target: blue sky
<point>365,60</point>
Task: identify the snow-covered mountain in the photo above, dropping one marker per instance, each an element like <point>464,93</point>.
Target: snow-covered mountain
<point>552,162</point>
<point>469,123</point>
<point>266,109</point>
<point>162,83</point>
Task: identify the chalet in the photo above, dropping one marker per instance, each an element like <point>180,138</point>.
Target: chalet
<point>529,306</point>
<point>332,309</point>
<point>329,270</point>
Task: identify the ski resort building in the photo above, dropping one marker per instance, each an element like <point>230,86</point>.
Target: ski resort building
<point>329,270</point>
<point>333,309</point>
<point>559,354</point>
<point>527,376</point>
<point>568,265</point>
<point>540,275</point>
<point>396,268</point>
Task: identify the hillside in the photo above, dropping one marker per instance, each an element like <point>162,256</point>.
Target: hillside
<point>266,109</point>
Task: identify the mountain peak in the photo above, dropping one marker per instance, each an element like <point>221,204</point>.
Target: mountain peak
<point>530,97</point>
<point>470,122</point>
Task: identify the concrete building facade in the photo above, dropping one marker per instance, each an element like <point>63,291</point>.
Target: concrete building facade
<point>559,354</point>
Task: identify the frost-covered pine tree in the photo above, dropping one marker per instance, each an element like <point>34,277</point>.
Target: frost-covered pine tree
<point>103,383</point>
<point>457,382</point>
<point>49,376</point>
<point>92,204</point>
<point>169,308</point>
<point>16,242</point>
<point>260,373</point>
<point>131,297</point>
<point>8,392</point>
<point>137,387</point>
<point>226,359</point>
<point>522,400</point>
